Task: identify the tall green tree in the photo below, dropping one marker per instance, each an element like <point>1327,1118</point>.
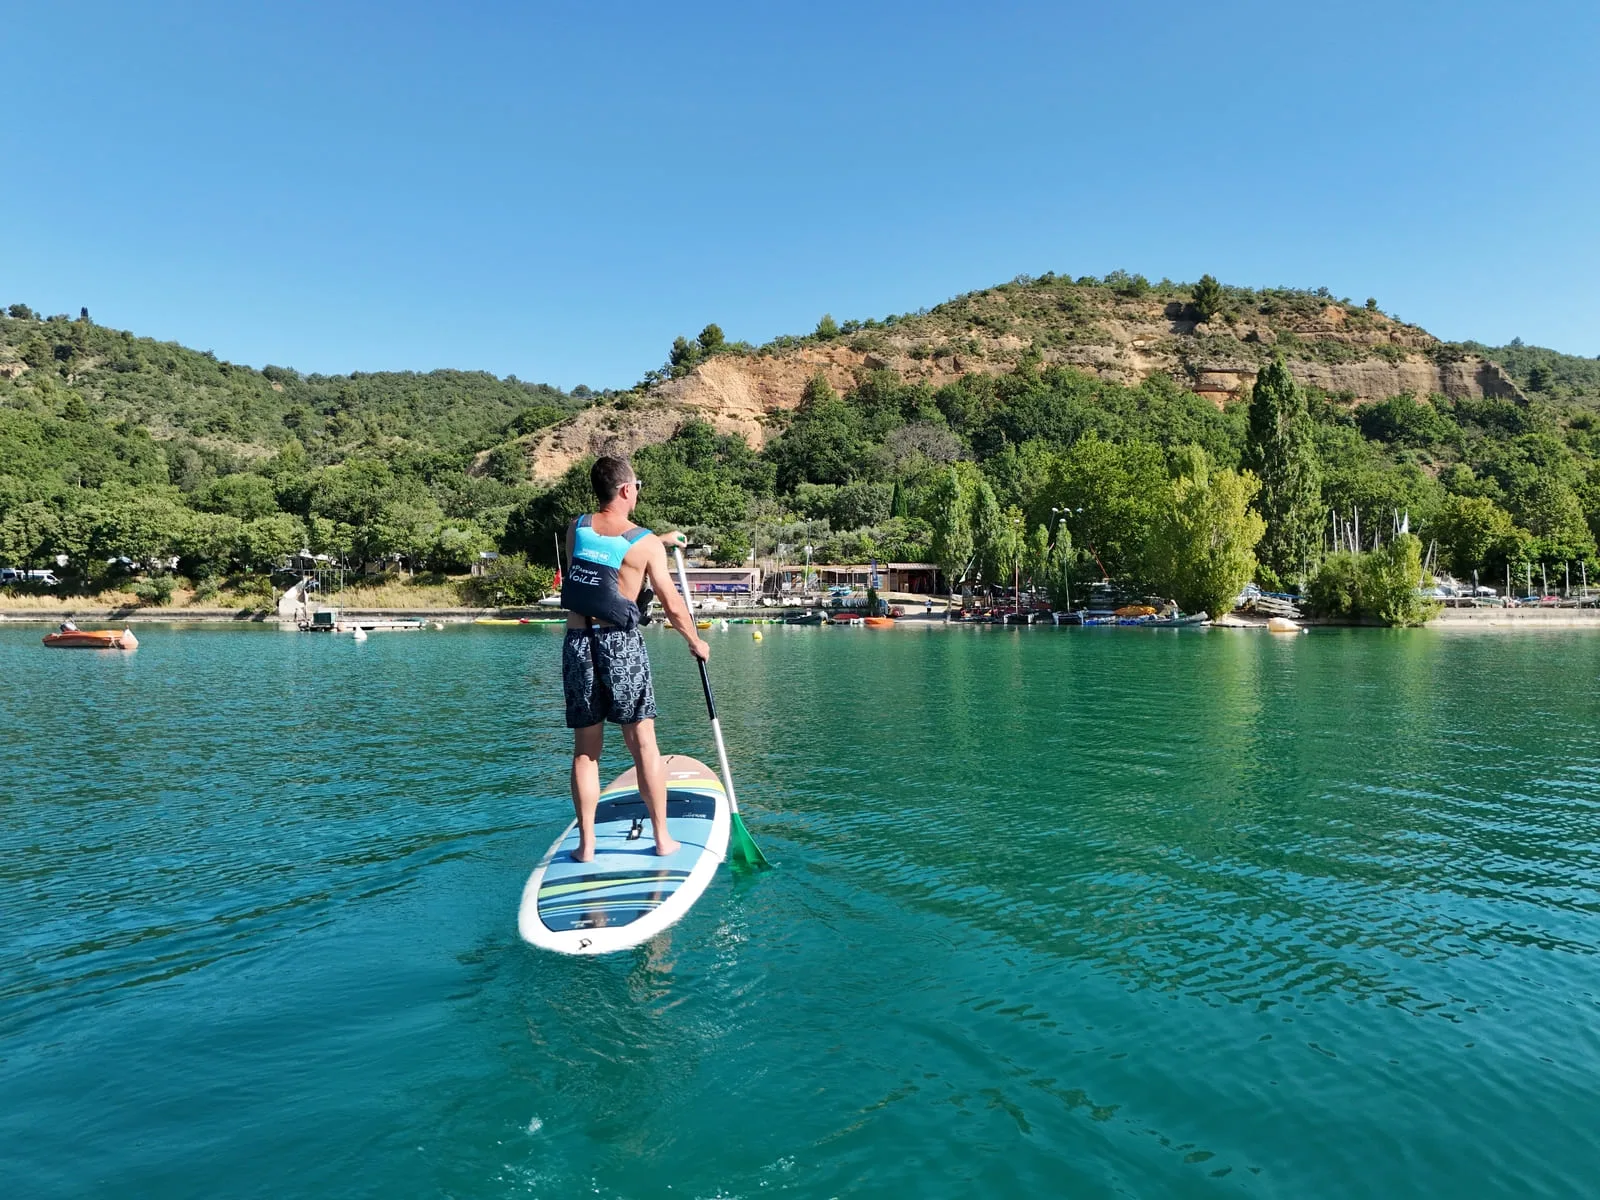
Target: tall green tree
<point>534,527</point>
<point>1280,451</point>
<point>1036,555</point>
<point>266,540</point>
<point>821,444</point>
<point>1468,528</point>
<point>949,512</point>
<point>991,534</point>
<point>1111,493</point>
<point>1202,549</point>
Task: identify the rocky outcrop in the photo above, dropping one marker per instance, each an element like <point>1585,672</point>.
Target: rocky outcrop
<point>1353,352</point>
<point>1369,379</point>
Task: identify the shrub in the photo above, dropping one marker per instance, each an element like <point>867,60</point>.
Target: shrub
<point>510,579</point>
<point>731,550</point>
<point>1335,590</point>
<point>155,590</point>
<point>1381,583</point>
<point>1391,576</point>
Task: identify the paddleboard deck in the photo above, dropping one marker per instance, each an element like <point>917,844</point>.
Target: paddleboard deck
<point>628,893</point>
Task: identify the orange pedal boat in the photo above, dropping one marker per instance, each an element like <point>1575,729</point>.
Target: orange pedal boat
<point>93,639</point>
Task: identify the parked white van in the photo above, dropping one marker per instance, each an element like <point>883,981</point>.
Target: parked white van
<point>18,575</point>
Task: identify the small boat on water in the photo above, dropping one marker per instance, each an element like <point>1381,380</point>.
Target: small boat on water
<point>807,618</point>
<point>1178,622</point>
<point>92,639</point>
<point>1068,618</point>
<point>847,618</point>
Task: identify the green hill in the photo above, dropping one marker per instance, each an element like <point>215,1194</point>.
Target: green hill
<point>1028,414</point>
<point>115,445</point>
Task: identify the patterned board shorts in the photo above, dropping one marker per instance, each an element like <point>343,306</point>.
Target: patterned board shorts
<point>624,673</point>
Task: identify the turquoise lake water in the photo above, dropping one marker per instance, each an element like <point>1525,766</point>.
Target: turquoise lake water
<point>1057,912</point>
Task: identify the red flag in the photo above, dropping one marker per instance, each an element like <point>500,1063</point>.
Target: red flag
<point>557,584</point>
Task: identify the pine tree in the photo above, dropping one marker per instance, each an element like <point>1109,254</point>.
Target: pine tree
<point>1207,296</point>
<point>1280,451</point>
<point>711,339</point>
<point>898,507</point>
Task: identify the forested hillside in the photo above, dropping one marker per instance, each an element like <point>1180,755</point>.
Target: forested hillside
<point>117,446</point>
<point>980,435</point>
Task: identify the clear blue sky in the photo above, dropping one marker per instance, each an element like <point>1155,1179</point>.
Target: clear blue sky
<point>555,191</point>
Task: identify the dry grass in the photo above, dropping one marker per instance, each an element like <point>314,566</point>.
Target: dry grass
<point>34,602</point>
<point>398,595</point>
<point>392,594</point>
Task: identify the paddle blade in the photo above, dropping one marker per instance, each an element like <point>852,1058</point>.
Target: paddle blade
<point>742,849</point>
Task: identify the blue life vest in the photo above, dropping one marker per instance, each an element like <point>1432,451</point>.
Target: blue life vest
<point>589,587</point>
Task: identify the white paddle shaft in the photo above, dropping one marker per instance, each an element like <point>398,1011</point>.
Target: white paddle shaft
<point>705,682</point>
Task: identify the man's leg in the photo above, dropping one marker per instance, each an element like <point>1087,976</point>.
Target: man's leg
<point>586,745</point>
<point>640,738</point>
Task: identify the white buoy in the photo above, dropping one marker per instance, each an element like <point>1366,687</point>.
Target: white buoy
<point>723,624</point>
<point>359,634</point>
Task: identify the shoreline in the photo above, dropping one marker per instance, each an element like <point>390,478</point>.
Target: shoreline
<point>1450,618</point>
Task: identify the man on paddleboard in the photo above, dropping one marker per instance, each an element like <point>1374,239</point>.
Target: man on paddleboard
<point>609,559</point>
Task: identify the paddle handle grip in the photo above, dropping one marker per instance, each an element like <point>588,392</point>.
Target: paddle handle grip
<point>705,684</point>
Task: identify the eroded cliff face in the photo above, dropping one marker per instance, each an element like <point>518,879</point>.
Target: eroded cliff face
<point>1362,355</point>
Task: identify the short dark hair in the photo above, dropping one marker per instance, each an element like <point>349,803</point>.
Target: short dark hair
<point>608,476</point>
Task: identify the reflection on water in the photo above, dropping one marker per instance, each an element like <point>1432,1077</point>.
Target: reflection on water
<point>1056,911</point>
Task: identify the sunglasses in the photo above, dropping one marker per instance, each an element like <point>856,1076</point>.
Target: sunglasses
<point>638,486</point>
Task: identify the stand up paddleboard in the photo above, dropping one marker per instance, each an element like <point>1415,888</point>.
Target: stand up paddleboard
<point>628,893</point>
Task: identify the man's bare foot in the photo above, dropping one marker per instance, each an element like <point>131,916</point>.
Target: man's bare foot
<point>667,847</point>
<point>583,853</point>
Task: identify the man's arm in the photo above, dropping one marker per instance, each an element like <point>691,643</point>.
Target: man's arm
<point>666,589</point>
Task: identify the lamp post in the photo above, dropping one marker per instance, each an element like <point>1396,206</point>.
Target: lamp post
<point>1061,515</point>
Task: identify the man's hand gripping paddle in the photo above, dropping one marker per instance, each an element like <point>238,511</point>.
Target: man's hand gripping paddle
<point>742,848</point>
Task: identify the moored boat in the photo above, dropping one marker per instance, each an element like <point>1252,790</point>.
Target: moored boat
<point>92,639</point>
<point>807,618</point>
<point>878,622</point>
<point>1179,622</point>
